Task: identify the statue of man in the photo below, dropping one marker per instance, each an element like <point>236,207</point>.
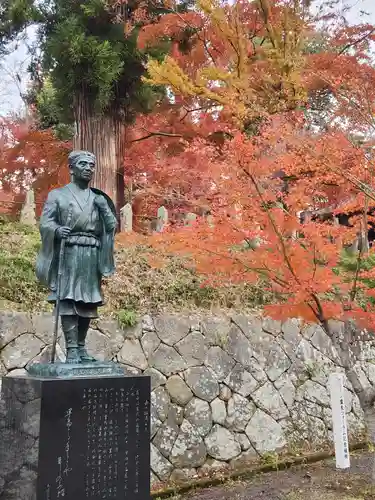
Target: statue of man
<point>88,253</point>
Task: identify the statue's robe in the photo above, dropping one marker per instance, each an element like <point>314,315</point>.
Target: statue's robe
<point>89,249</point>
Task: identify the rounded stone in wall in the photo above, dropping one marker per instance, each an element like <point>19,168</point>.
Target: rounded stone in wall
<point>12,325</point>
<point>239,347</point>
<point>165,437</point>
<point>100,345</point>
<point>176,414</point>
<point>219,411</point>
<point>193,349</point>
<point>147,323</point>
<point>160,465</point>
<point>150,342</point>
<point>243,440</point>
<point>225,392</point>
<point>160,401</point>
<point>240,410</point>
<point>214,466</point>
<point>198,412</point>
<point>269,399</point>
<point>171,328</point>
<point>241,381</point>
<point>157,378</point>
<point>221,444</point>
<point>189,449</point>
<point>219,362</point>
<point>178,390</point>
<point>18,372</point>
<point>202,382</point>
<point>19,351</point>
<point>167,360</point>
<point>132,354</point>
<point>264,433</point>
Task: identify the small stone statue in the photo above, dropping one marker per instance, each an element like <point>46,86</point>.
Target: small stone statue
<point>84,218</point>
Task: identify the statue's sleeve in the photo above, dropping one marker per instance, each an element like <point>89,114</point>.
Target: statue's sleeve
<point>106,258</point>
<point>47,226</point>
<point>108,218</point>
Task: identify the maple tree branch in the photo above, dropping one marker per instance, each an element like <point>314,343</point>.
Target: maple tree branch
<point>265,8</point>
<point>344,96</point>
<point>265,272</point>
<point>274,226</point>
<point>356,42</point>
<point>204,41</point>
<point>156,134</point>
<point>235,258</point>
<point>315,263</point>
<point>363,188</point>
<point>274,277</point>
<point>236,50</point>
<point>201,108</point>
<point>319,314</point>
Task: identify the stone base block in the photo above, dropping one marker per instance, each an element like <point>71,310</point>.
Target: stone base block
<point>75,438</point>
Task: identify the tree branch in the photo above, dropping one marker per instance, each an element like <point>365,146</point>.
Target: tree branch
<point>156,134</point>
<point>356,42</point>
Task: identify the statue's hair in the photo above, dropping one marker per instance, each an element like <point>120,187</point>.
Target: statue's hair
<point>74,156</point>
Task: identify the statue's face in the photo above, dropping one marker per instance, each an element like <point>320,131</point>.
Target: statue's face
<point>84,168</point>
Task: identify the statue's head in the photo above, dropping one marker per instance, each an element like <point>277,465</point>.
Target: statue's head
<point>82,165</point>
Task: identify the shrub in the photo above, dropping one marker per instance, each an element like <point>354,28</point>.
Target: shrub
<point>136,287</point>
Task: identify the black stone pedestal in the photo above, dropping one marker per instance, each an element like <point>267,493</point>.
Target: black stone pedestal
<point>74,439</point>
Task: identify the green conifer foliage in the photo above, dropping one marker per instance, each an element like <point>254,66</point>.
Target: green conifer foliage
<point>86,69</point>
<point>83,49</point>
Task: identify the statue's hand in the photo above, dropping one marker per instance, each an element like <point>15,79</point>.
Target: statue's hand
<point>100,202</point>
<point>63,232</point>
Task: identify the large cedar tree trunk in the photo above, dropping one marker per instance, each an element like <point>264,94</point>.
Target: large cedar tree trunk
<point>104,136</point>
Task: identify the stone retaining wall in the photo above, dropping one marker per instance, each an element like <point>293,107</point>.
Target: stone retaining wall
<point>226,391</point>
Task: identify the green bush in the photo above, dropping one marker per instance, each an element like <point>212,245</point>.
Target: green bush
<point>127,318</point>
<point>19,245</point>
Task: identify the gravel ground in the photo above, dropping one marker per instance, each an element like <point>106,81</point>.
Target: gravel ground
<point>312,482</point>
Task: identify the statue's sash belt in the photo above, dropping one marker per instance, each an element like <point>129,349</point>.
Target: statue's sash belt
<point>83,239</point>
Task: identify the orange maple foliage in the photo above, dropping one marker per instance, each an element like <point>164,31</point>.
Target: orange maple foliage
<point>159,145</point>
<point>252,77</point>
<point>253,230</point>
<point>31,157</point>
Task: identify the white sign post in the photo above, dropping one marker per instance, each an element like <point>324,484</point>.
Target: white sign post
<point>340,430</point>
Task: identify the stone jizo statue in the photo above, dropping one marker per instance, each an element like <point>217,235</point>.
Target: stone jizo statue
<point>85,219</point>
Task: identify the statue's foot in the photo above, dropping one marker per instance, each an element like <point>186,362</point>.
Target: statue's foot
<point>85,356</point>
<point>72,356</point>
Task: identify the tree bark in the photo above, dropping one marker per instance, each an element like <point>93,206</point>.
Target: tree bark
<point>103,135</point>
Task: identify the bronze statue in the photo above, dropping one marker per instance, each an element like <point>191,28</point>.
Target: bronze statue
<point>77,227</point>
